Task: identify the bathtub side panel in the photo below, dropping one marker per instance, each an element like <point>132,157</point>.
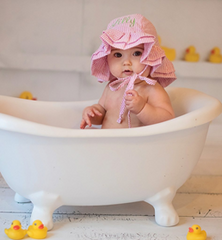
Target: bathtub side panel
<point>99,171</point>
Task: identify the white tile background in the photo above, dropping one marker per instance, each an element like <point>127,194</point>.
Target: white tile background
<point>73,27</point>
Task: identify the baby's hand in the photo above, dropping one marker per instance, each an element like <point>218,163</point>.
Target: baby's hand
<point>89,113</point>
<point>134,102</point>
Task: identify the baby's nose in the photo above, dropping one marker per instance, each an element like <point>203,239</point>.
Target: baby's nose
<point>127,62</point>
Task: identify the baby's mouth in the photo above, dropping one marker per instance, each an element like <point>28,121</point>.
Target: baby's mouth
<point>127,72</point>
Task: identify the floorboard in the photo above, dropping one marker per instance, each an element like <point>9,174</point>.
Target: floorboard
<point>124,221</point>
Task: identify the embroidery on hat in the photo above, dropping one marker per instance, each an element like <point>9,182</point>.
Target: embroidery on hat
<point>124,20</point>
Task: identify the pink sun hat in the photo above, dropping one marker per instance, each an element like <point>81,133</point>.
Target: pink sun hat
<point>127,32</point>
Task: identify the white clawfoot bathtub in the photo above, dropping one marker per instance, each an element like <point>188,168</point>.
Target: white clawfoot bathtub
<point>47,159</point>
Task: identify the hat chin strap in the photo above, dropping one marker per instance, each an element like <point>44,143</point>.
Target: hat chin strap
<point>129,81</point>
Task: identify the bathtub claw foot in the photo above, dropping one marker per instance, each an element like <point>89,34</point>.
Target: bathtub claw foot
<point>43,214</point>
<point>165,214</point>
<point>44,206</point>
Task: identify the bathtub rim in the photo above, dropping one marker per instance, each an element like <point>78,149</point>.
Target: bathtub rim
<point>191,119</point>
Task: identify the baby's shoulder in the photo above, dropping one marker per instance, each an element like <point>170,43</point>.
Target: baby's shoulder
<point>154,91</point>
<point>149,88</point>
<point>157,88</point>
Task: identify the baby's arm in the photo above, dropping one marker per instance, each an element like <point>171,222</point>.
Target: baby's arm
<point>157,108</point>
<point>92,115</point>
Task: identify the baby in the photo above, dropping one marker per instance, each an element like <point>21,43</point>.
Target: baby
<point>137,69</point>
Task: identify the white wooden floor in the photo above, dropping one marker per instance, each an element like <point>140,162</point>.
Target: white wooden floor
<point>127,221</point>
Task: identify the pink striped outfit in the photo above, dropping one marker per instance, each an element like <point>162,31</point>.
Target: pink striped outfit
<point>124,33</point>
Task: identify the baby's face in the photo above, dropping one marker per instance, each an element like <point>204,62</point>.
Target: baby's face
<point>123,63</point>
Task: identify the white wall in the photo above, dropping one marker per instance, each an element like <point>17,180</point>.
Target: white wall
<point>61,35</point>
<point>68,28</point>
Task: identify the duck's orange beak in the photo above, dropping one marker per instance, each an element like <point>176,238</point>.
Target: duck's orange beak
<point>191,230</point>
<point>16,227</point>
<point>41,226</point>
<point>212,51</point>
<point>187,50</point>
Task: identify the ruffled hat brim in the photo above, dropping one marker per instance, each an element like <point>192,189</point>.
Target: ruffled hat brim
<point>122,37</point>
<point>114,38</point>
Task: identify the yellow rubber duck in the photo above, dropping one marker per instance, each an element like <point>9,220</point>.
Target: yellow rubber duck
<point>195,233</point>
<point>191,55</point>
<point>169,52</point>
<point>15,231</point>
<point>37,230</point>
<point>215,56</point>
<point>27,95</point>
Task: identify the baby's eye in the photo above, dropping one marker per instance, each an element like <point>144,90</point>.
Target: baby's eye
<point>117,54</point>
<point>137,53</point>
